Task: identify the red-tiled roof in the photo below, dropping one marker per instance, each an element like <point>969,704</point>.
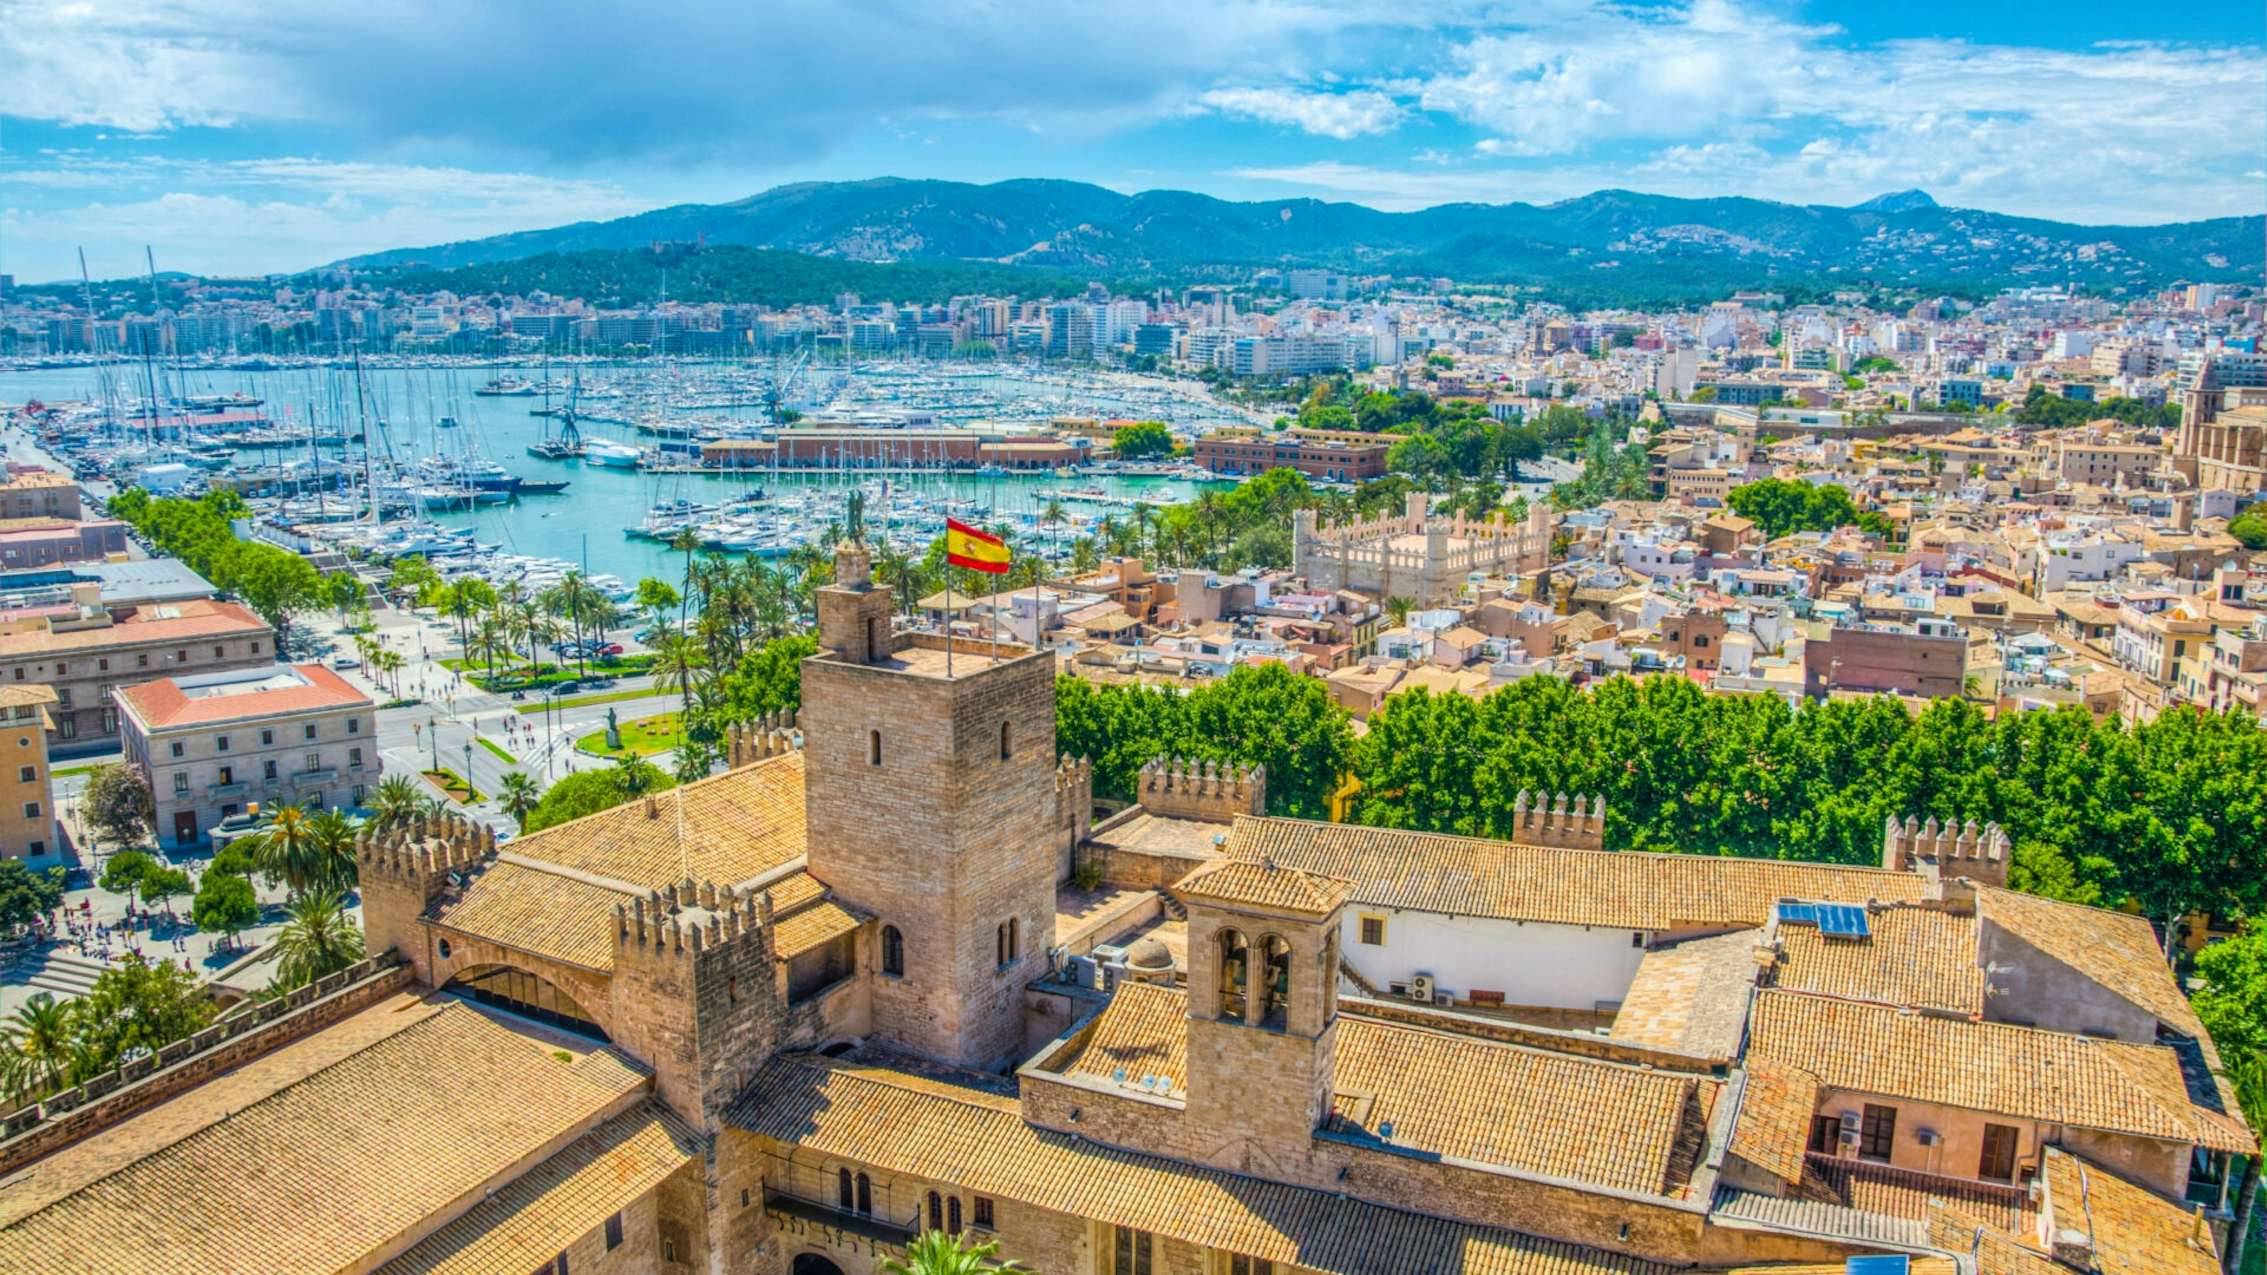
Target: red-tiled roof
<point>162,704</point>
<point>164,623</point>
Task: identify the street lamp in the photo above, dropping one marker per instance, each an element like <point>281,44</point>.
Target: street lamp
<point>433,733</point>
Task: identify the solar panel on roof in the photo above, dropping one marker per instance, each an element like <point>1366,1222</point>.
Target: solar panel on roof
<point>1793,913</point>
<point>1842,921</point>
<point>1878,1264</point>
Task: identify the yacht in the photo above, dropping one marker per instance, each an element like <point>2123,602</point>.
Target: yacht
<point>607,452</point>
<point>507,387</point>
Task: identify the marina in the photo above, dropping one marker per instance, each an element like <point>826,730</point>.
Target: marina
<point>520,473</point>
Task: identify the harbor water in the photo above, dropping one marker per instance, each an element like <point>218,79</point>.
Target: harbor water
<point>585,524</point>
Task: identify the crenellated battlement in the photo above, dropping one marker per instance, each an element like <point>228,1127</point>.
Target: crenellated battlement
<point>1951,849</point>
<point>1074,797</point>
<point>1545,819</point>
<point>767,736</point>
<point>696,921</point>
<point>1179,788</point>
<point>424,847</point>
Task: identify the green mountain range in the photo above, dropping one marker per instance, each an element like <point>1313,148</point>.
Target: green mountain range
<point>1611,244</point>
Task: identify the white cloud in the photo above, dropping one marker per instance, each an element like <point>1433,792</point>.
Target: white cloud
<point>1345,116</point>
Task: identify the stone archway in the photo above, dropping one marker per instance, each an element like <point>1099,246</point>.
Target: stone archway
<point>813,1264</point>
<point>520,991</point>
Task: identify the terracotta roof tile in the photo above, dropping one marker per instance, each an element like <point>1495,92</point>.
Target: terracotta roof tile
<point>163,704</point>
<point>1904,1193</point>
<point>2134,1231</point>
<point>1469,876</point>
<point>170,622</point>
<point>726,829</point>
<point>1777,1102</point>
<point>327,1169</point>
<point>1267,885</point>
<point>1918,956</point>
<point>546,913</point>
<point>2115,949</point>
<point>1531,1110</point>
<point>911,1125</point>
<point>2049,1076</point>
<point>528,1222</point>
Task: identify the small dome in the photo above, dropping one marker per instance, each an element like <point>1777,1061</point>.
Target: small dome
<point>1149,954</point>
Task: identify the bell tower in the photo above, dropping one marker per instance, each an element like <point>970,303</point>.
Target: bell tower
<point>930,801</point>
<point>1263,1012</point>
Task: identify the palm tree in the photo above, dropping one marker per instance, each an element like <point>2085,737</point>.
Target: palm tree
<point>635,774</point>
<point>1053,515</point>
<point>1142,514</point>
<point>2250,1078</point>
<point>1084,556</point>
<point>318,939</point>
<point>333,832</point>
<point>1397,609</point>
<point>38,1041</point>
<point>679,657</point>
<point>394,802</point>
<point>685,542</point>
<point>936,1253</point>
<point>487,639</point>
<point>288,849</point>
<point>518,795</point>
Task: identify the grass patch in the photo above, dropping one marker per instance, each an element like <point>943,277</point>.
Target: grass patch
<point>68,771</point>
<point>608,697</point>
<point>497,749</point>
<point>644,737</point>
<point>454,786</point>
<point>515,675</point>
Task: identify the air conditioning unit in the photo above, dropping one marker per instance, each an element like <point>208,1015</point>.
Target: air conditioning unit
<point>1081,971</point>
<point>1421,988</point>
<point>1927,1137</point>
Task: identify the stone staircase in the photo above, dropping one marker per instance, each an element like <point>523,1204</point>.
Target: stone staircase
<point>1174,908</point>
<point>65,976</point>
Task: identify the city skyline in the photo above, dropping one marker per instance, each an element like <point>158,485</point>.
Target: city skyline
<point>233,143</point>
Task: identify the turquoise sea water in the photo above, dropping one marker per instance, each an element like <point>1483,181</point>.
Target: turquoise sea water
<point>586,522</point>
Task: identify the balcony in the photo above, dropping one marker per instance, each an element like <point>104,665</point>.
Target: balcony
<point>221,792</point>
<point>314,778</point>
<point>827,1213</point>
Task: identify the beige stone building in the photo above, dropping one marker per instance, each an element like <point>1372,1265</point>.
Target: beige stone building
<point>27,783</point>
<point>85,651</point>
<point>1417,555</point>
<point>39,493</point>
<point>213,744</point>
<point>783,1019</point>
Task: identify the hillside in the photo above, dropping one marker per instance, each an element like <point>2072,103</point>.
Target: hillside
<point>1594,244</point>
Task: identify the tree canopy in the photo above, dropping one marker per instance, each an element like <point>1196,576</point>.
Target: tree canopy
<point>1780,506</point>
<point>1265,715</point>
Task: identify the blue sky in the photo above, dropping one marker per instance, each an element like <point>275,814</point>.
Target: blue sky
<point>236,136</point>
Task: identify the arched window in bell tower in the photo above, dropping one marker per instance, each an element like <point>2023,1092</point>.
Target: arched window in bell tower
<point>1007,749</point>
<point>1235,959</point>
<point>1275,982</point>
<point>873,748</point>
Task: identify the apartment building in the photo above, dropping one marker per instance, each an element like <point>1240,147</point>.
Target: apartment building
<point>1315,453</point>
<point>210,743</point>
<point>27,785</point>
<point>85,651</point>
<point>1927,659</point>
<point>39,493</point>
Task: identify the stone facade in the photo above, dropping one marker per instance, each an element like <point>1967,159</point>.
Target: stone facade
<point>1416,556</point>
<point>931,802</point>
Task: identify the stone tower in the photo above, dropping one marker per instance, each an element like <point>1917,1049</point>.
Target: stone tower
<point>696,992</point>
<point>930,802</point>
<point>1263,1012</point>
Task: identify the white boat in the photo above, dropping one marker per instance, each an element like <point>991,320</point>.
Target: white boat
<point>607,452</point>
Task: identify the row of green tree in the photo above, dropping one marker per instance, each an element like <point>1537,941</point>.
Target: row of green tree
<point>2043,407</point>
<point>274,582</point>
<point>2170,817</point>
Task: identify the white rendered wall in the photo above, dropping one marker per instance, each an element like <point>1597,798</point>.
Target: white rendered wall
<point>1560,966</point>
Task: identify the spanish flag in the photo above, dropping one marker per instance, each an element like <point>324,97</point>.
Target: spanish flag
<point>965,546</point>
